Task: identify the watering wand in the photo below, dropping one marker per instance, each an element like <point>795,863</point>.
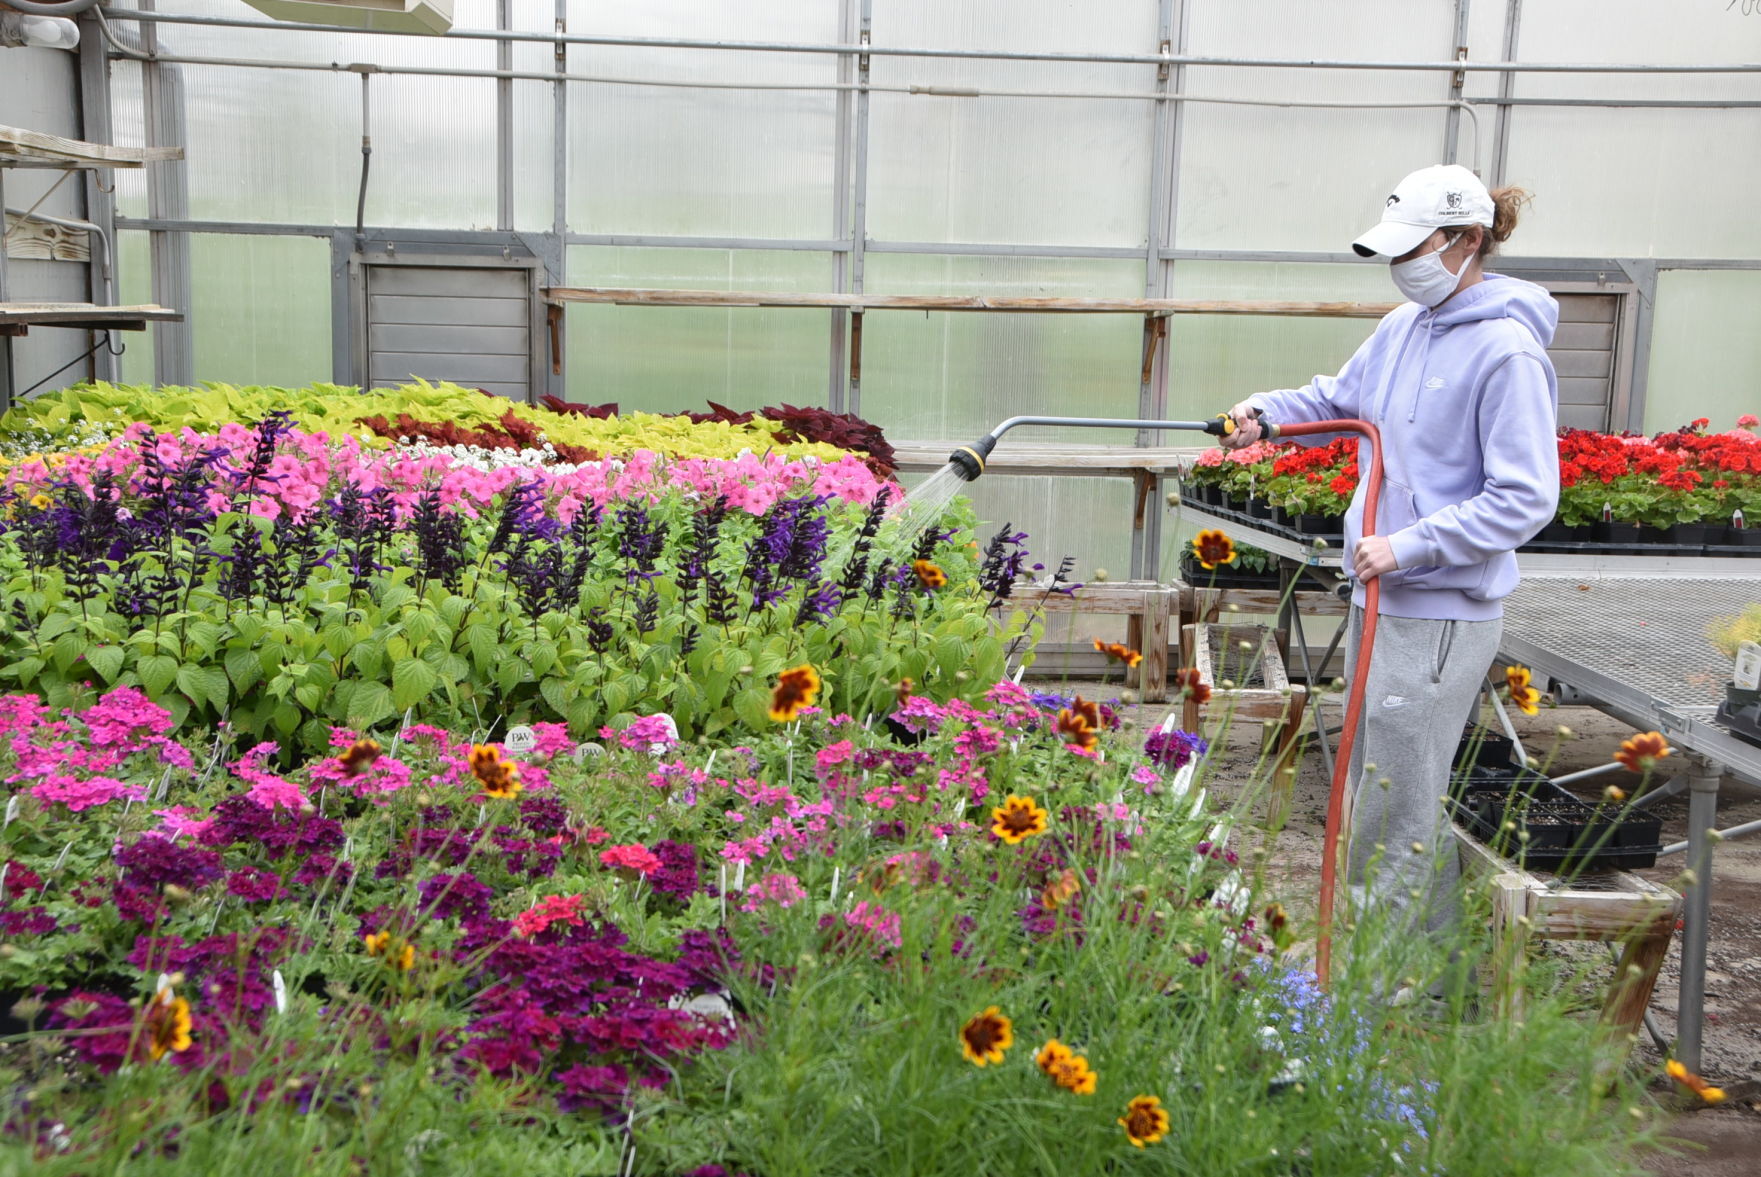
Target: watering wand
<point>970,460</point>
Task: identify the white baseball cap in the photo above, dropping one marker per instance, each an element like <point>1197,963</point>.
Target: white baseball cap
<point>1428,199</point>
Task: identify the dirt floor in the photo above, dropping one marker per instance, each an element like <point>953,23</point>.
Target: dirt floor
<point>1714,1142</point>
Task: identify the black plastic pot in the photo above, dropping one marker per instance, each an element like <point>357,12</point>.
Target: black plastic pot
<point>1490,749</point>
<point>1224,576</point>
<point>1693,533</point>
<point>1555,831</point>
<point>1624,534</point>
<point>1561,533</point>
<point>1281,517</point>
<point>1743,537</point>
<point>1259,508</point>
<point>1741,713</point>
<point>1332,525</point>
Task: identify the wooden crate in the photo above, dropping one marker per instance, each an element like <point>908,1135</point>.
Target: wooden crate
<point>1277,703</point>
<point>1619,907</point>
<point>1148,607</point>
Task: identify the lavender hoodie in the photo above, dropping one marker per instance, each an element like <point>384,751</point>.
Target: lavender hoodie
<point>1467,403</point>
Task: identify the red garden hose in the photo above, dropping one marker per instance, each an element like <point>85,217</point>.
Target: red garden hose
<point>1338,815</point>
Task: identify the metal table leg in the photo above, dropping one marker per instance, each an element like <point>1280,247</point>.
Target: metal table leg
<point>1691,1001</point>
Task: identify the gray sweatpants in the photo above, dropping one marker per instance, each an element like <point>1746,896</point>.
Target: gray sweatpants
<point>1421,690</point>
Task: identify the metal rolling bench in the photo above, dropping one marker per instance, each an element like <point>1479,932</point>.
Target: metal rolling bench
<point>1613,629</point>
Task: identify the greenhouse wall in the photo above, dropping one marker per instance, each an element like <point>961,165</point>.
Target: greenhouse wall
<point>1043,148</point>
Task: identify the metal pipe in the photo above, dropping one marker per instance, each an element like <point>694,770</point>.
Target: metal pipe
<point>982,54</point>
<point>1598,770</point>
<point>68,223</point>
<point>1697,912</point>
<point>970,460</point>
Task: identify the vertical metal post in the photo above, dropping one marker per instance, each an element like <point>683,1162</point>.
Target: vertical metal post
<point>1691,1000</point>
<point>1457,83</point>
<point>859,201</point>
<point>504,119</point>
<point>94,98</point>
<point>1644,271</point>
<point>162,102</point>
<point>6,385</point>
<point>1513,15</point>
<point>1152,394</point>
<point>559,190</point>
<point>835,388</point>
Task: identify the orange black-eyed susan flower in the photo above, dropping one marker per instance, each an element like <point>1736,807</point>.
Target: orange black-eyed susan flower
<point>1643,751</point>
<point>1017,819</point>
<point>359,756</point>
<point>796,689</point>
<point>985,1038</point>
<point>1694,1083</point>
<point>499,778</point>
<point>1075,729</point>
<point>1525,697</point>
<point>396,954</point>
<point>1278,924</point>
<point>167,1024</point>
<point>1066,1068</point>
<point>1145,1122</point>
<point>1191,684</point>
<point>1060,890</point>
<point>928,575</point>
<point>1118,653</point>
<point>1212,548</point>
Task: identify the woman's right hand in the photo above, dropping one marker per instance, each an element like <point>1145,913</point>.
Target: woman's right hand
<point>1247,427</point>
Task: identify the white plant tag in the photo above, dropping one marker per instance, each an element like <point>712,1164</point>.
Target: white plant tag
<point>1747,676</point>
<point>520,740</point>
<point>280,987</point>
<point>11,811</point>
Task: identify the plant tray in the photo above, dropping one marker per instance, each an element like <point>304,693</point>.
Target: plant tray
<point>1225,577</point>
<point>1554,830</point>
<point>1741,718</point>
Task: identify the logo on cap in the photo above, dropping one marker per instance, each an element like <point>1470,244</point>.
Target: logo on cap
<point>1452,201</point>
<point>1392,201</point>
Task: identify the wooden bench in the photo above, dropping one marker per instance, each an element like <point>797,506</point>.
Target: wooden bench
<point>1148,608</point>
<point>1276,703</point>
<point>1605,906</point>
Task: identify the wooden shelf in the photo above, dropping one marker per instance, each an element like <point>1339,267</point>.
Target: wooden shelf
<point>20,148</point>
<point>915,302</point>
<point>18,317</point>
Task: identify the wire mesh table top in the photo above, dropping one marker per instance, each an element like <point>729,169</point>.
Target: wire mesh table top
<point>1648,633</point>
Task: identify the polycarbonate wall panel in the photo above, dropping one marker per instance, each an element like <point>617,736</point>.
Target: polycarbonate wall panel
<point>1303,178</point>
<point>696,162</point>
<point>956,374</point>
<point>1012,170</point>
<point>261,310</point>
<point>1216,360</point>
<point>1638,182</point>
<point>134,287</point>
<point>1088,519</point>
<point>1705,351</point>
<point>665,359</point>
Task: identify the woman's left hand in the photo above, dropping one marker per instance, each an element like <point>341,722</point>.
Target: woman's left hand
<point>1373,556</point>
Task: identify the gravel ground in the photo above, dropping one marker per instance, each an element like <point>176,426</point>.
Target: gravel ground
<point>1715,1142</point>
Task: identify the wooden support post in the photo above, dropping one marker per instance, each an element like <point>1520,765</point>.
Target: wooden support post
<point>855,403</point>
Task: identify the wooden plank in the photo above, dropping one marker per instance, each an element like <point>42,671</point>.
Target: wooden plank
<point>472,282</point>
<point>1583,416</point>
<point>1583,337</point>
<point>1587,308</point>
<point>1597,364</point>
<point>460,369</point>
<point>449,340</point>
<point>1159,605</point>
<point>440,311</point>
<point>83,314</point>
<point>624,296</point>
<point>34,240</point>
<point>34,149</point>
<point>1111,597</point>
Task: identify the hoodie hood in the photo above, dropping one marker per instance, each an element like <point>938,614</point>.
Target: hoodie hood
<point>1500,297</point>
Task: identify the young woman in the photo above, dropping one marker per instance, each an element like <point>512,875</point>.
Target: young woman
<point>1459,383</point>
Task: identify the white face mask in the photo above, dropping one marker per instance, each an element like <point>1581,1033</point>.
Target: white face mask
<point>1425,279</point>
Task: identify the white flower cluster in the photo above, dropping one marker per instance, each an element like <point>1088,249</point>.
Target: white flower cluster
<point>484,458</point>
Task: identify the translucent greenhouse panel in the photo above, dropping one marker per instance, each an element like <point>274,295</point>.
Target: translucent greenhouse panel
<point>127,129</point>
<point>1636,183</point>
<point>1012,170</point>
<point>534,125</point>
<point>1705,351</point>
<point>954,375</point>
<point>261,309</point>
<point>1087,519</point>
<point>1306,179</point>
<point>697,162</point>
<point>1218,359</point>
<point>134,287</point>
<point>665,359</point>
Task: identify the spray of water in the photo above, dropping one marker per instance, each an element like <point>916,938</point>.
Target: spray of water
<point>924,506</point>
